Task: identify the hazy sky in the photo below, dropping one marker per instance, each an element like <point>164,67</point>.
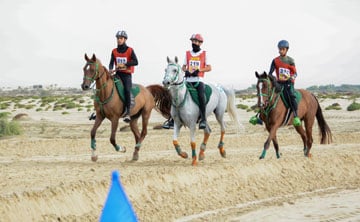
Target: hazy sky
<point>44,41</point>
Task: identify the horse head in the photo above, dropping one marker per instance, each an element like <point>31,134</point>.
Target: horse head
<point>266,86</point>
<point>172,73</point>
<point>91,71</point>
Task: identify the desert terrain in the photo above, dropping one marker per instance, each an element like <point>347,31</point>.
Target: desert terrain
<point>47,174</point>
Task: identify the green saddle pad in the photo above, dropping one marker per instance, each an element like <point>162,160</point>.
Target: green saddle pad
<point>194,95</point>
<point>286,102</point>
<point>135,89</point>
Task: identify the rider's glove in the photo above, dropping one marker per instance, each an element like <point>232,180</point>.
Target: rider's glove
<point>195,73</point>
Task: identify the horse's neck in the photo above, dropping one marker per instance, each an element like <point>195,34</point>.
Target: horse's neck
<point>104,84</point>
<point>178,93</point>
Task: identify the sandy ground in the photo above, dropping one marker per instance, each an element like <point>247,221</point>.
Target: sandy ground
<point>47,175</point>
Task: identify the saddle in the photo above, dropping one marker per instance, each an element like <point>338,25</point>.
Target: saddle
<point>194,95</point>
<point>135,90</point>
<point>286,101</point>
<point>298,97</point>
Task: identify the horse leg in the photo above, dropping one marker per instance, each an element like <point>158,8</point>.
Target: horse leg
<point>276,147</point>
<point>203,145</point>
<point>308,129</point>
<point>135,130</point>
<point>302,133</point>
<point>193,145</point>
<point>96,125</point>
<point>221,145</point>
<point>175,141</point>
<point>114,125</point>
<point>220,119</point>
<point>272,135</point>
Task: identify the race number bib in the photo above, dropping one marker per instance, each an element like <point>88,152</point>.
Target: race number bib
<point>194,65</point>
<point>284,74</point>
<point>121,60</point>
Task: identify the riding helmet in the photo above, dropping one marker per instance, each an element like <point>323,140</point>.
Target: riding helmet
<point>121,33</point>
<point>283,44</point>
<point>197,37</point>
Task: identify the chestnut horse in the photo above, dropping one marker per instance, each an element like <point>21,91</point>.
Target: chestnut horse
<point>108,104</point>
<point>274,114</point>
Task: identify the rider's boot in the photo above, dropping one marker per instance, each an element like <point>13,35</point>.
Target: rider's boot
<point>255,120</point>
<point>203,122</point>
<point>92,116</point>
<point>126,116</point>
<point>168,124</point>
<point>296,121</point>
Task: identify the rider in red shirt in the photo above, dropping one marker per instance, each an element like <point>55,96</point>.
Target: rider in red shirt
<point>284,66</point>
<point>195,65</point>
<point>124,59</point>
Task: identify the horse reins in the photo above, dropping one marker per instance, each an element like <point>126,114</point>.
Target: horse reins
<point>266,110</point>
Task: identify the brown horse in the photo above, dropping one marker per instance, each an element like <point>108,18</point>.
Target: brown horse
<point>274,114</point>
<point>108,104</point>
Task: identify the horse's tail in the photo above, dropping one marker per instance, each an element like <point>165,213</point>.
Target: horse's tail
<point>231,108</point>
<point>162,99</point>
<point>325,132</point>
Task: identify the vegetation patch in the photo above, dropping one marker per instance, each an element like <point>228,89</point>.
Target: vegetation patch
<point>334,106</point>
<point>8,128</point>
<point>242,106</point>
<point>353,106</point>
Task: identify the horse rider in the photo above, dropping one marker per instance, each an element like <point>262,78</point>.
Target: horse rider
<point>195,65</point>
<point>284,67</point>
<point>124,59</point>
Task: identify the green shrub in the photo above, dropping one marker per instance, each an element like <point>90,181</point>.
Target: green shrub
<point>38,109</point>
<point>353,106</point>
<point>4,115</point>
<point>242,106</point>
<point>9,128</point>
<point>335,106</point>
<point>4,105</point>
<point>70,105</point>
<point>65,113</point>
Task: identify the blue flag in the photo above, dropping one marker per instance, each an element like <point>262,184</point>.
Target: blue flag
<point>117,206</point>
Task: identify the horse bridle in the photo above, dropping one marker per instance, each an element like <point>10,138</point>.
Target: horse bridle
<point>268,94</point>
<point>96,73</point>
<point>176,78</point>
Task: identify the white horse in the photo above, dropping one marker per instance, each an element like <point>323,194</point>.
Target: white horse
<point>186,112</point>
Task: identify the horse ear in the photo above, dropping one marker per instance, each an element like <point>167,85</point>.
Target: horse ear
<point>176,59</point>
<point>93,58</point>
<point>256,74</point>
<point>168,59</point>
<point>86,57</point>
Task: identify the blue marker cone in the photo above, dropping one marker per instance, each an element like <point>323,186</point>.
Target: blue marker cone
<point>117,206</point>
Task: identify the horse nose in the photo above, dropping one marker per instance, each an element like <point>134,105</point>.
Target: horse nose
<point>166,82</point>
<point>84,87</point>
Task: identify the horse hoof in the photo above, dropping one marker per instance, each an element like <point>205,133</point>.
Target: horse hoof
<point>194,163</point>
<point>94,158</point>
<point>135,156</point>
<point>261,157</point>
<point>183,155</point>
<point>222,152</point>
<point>201,155</point>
